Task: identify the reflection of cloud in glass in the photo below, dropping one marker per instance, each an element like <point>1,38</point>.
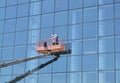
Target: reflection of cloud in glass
<point>73,59</point>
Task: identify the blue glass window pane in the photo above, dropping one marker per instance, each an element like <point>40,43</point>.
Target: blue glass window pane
<point>75,32</point>
<point>47,69</point>
<point>118,77</point>
<point>33,36</point>
<point>90,62</point>
<point>2,13</point>
<point>90,30</point>
<point>22,24</point>
<point>20,52</point>
<point>72,61</point>
<point>117,44</point>
<point>60,67</point>
<point>31,65</point>
<point>48,6</point>
<point>34,22</point>
<point>59,78</point>
<point>105,1</point>
<point>47,20</point>
<point>0,54</point>
<point>7,53</point>
<point>106,61</point>
<point>31,78</point>
<point>106,12</point>
<point>90,14</point>
<point>11,2</point>
<point>19,40</point>
<point>61,18</point>
<point>4,79</point>
<point>35,8</point>
<point>2,3</point>
<point>23,1</point>
<point>90,46</point>
<point>6,71</point>
<point>34,0</point>
<point>106,77</point>
<point>76,47</point>
<point>19,68</point>
<point>22,10</point>
<point>31,52</point>
<point>1,26</point>
<point>90,3</point>
<point>10,25</point>
<point>117,27</point>
<point>74,77</point>
<point>117,60</point>
<point>117,0</point>
<point>1,39</point>
<point>61,32</point>
<point>73,4</point>
<point>11,12</point>
<point>61,5</point>
<point>75,16</point>
<point>43,77</point>
<point>106,45</point>
<point>46,33</point>
<point>90,77</point>
<point>117,9</point>
<point>8,39</point>
<point>106,28</point>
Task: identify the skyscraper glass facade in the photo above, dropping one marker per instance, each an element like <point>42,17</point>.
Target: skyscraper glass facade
<point>91,26</point>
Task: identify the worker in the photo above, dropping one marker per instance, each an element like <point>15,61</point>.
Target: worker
<point>45,44</point>
<point>54,38</point>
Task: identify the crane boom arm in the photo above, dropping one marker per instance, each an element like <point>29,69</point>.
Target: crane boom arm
<point>18,78</point>
<point>5,64</point>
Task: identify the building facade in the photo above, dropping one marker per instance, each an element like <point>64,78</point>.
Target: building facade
<point>91,26</point>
